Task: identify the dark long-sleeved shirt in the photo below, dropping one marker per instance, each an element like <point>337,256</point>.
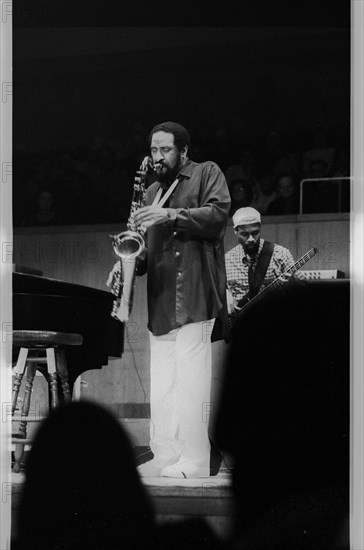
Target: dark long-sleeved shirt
<point>185,259</point>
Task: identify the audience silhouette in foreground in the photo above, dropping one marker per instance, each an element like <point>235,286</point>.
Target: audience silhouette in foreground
<point>284,418</point>
<point>82,490</point>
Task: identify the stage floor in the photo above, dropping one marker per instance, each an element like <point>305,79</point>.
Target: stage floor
<point>174,500</point>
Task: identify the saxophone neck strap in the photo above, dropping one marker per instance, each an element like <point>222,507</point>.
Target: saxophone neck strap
<point>158,201</point>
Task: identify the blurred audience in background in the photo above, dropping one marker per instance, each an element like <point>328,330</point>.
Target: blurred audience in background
<point>319,149</point>
<point>45,210</point>
<point>93,184</point>
<point>289,162</point>
<point>245,168</point>
<point>266,192</point>
<point>241,192</point>
<point>287,201</point>
<point>324,193</point>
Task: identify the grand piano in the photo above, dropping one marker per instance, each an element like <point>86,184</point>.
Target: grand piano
<point>42,303</point>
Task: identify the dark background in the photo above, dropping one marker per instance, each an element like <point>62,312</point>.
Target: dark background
<point>89,74</point>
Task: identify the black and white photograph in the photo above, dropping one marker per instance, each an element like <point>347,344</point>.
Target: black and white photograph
<point>182,275</point>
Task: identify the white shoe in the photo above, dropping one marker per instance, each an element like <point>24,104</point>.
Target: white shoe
<point>152,468</point>
<point>185,469</point>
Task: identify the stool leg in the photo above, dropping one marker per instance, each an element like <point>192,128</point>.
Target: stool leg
<point>19,373</point>
<point>63,373</point>
<point>31,368</point>
<point>18,455</point>
<point>51,364</point>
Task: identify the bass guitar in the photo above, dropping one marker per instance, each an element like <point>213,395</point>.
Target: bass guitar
<point>236,316</point>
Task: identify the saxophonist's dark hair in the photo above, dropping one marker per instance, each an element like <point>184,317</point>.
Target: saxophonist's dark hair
<point>181,135</point>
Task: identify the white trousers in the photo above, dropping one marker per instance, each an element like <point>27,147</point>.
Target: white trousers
<point>180,394</point>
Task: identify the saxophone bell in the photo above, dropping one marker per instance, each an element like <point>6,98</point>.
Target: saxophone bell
<point>128,244</point>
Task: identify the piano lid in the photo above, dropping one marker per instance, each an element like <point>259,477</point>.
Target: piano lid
<point>43,303</point>
<point>36,284</point>
<point>25,269</point>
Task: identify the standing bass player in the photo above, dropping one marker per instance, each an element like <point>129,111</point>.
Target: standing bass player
<point>185,217</point>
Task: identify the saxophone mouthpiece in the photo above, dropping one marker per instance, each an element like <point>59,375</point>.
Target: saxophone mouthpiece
<point>148,163</point>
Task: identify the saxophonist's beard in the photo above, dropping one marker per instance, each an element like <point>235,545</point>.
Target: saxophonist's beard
<point>167,174</point>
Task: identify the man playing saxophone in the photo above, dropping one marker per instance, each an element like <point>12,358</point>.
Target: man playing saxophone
<point>185,218</point>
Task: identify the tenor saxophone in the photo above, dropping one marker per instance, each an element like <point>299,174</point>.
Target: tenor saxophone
<point>128,246</point>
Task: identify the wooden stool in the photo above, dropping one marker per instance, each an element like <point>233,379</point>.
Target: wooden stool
<point>38,348</point>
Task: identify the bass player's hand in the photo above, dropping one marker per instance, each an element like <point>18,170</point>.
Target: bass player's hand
<point>232,303</point>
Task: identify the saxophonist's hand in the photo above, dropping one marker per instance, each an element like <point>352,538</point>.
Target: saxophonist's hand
<point>150,215</point>
<point>116,270</point>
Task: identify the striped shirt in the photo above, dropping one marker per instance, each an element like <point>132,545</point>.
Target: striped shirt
<point>237,266</point>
